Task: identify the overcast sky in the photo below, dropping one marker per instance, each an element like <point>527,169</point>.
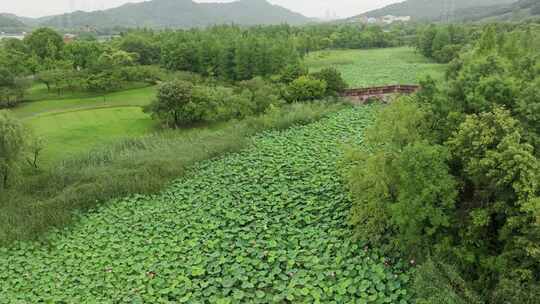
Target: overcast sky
<point>311,8</point>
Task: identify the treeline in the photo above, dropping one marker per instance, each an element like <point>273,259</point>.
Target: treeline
<point>235,53</point>
<point>451,176</point>
<point>444,42</point>
<point>228,53</point>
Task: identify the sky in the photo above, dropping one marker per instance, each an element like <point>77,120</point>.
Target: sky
<point>310,8</point>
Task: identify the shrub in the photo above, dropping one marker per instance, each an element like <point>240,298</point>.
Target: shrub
<point>335,84</point>
<point>306,88</point>
<point>292,72</point>
<point>262,94</point>
<point>440,283</point>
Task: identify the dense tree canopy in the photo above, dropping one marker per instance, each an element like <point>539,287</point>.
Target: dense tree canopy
<point>460,182</point>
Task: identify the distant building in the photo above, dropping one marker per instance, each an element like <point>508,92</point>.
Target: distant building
<point>388,19</point>
<point>368,20</point>
<point>20,36</point>
<point>68,38</point>
<point>403,19</point>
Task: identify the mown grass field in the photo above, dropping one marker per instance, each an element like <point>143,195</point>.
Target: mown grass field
<point>71,126</point>
<point>364,68</point>
<point>267,225</point>
<point>71,133</point>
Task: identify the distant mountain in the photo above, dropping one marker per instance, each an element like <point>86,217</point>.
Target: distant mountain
<point>177,14</point>
<point>433,10</point>
<point>517,11</point>
<point>9,23</point>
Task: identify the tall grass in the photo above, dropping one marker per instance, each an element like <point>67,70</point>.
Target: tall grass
<point>133,166</point>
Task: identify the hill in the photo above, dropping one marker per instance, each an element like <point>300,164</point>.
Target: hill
<point>517,11</point>
<point>433,10</point>
<point>9,23</point>
<point>178,14</point>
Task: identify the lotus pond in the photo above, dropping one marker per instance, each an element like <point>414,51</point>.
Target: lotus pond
<point>268,225</point>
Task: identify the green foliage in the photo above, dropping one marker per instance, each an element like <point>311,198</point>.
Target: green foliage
<point>12,143</point>
<point>229,52</point>
<point>398,125</point>
<point>401,186</point>
<point>148,52</point>
<point>83,54</point>
<point>439,283</point>
<point>306,88</point>
<point>181,103</point>
<point>292,72</point>
<point>45,43</point>
<point>104,82</point>
<point>174,104</point>
<point>335,84</point>
<point>147,74</point>
<point>469,178</point>
<point>442,42</point>
<point>12,89</point>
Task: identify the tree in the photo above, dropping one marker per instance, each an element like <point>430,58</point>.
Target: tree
<point>103,83</point>
<point>14,56</point>
<point>12,89</point>
<point>425,41</point>
<point>335,84</point>
<point>12,144</point>
<point>174,104</point>
<point>45,43</point>
<point>147,51</point>
<point>35,149</point>
<point>83,54</point>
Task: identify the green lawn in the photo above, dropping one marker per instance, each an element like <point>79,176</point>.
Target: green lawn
<point>73,132</point>
<point>134,97</point>
<point>74,125</point>
<point>363,68</point>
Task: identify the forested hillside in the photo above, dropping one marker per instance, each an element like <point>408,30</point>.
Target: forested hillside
<point>178,14</point>
<point>518,11</point>
<point>10,24</point>
<point>432,9</point>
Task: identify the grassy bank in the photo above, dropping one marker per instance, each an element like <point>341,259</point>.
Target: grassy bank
<point>137,165</point>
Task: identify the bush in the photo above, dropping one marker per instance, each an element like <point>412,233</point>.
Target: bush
<point>335,84</point>
<point>262,94</point>
<point>439,283</point>
<point>306,88</point>
<point>292,72</point>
